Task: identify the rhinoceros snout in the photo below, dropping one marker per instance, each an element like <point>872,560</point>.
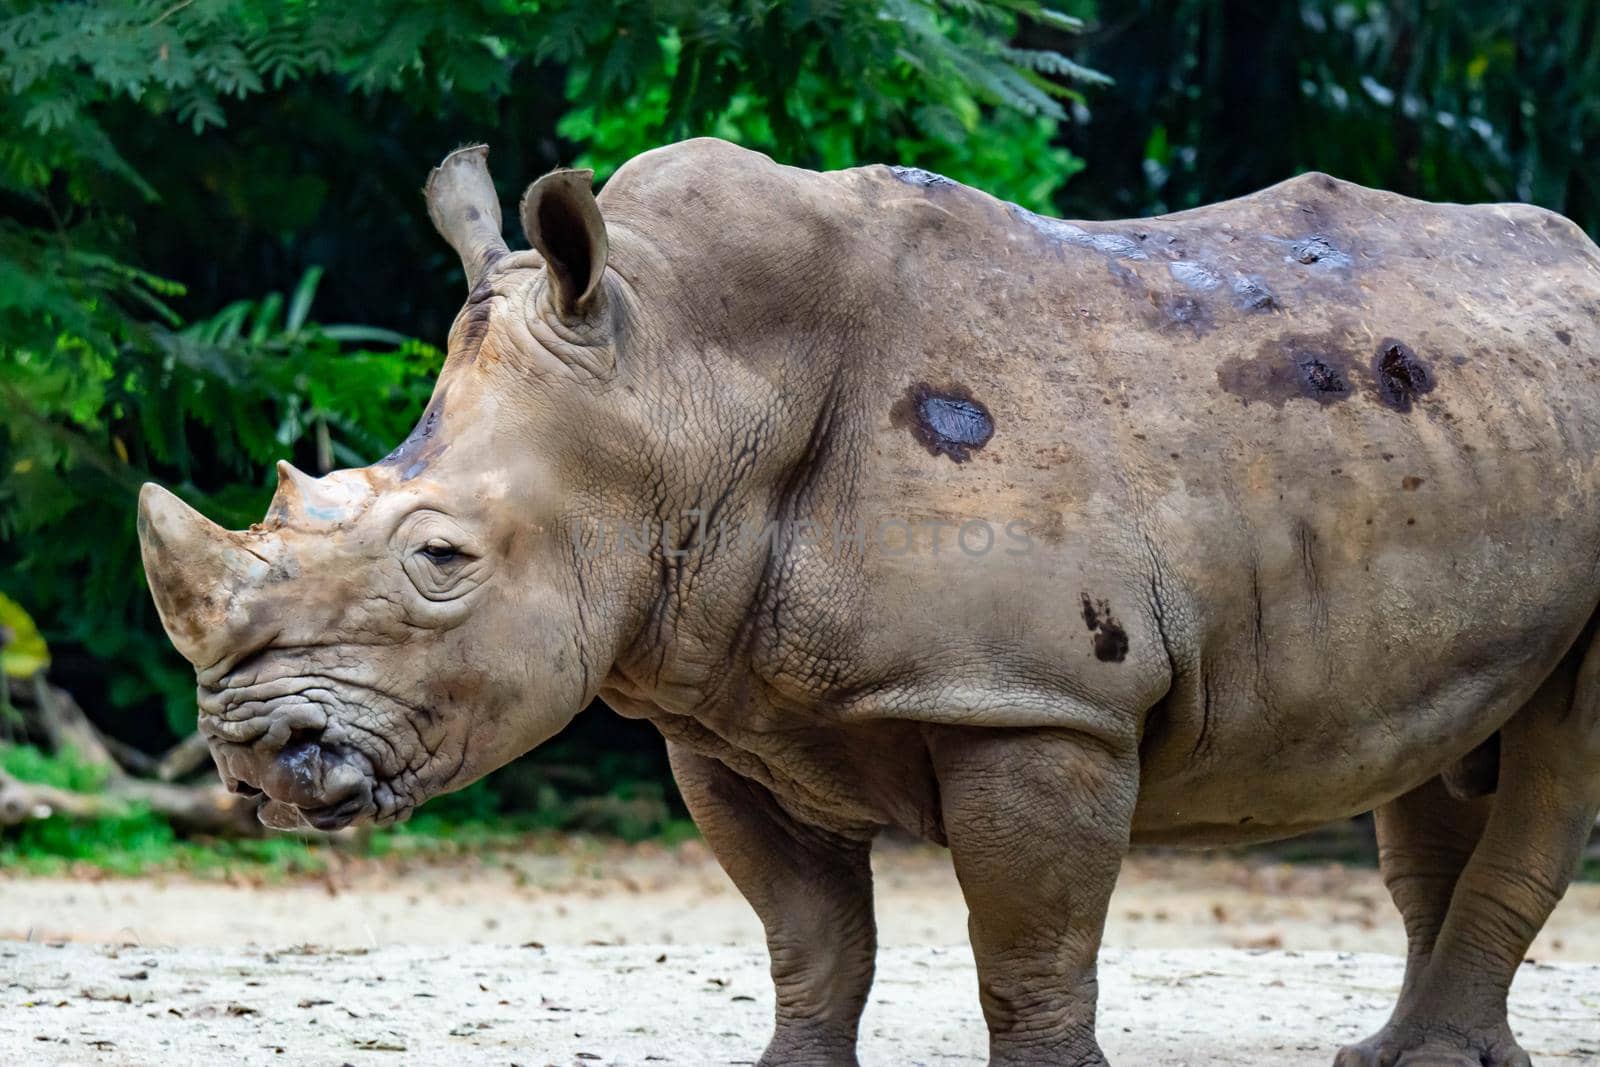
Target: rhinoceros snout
<point>304,781</point>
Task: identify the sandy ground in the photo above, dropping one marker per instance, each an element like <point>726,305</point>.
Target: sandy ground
<point>635,956</point>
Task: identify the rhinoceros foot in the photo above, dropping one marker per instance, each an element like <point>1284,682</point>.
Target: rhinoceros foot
<point>1418,1045</point>
<point>783,1054</point>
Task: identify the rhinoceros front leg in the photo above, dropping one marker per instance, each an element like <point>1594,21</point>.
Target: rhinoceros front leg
<point>1038,822</point>
<point>1452,1011</point>
<point>812,890</point>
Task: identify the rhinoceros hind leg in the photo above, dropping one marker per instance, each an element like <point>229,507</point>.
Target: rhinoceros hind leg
<point>1477,774</point>
<point>1037,822</point>
<point>812,890</point>
<point>1424,840</point>
<point>1452,1010</point>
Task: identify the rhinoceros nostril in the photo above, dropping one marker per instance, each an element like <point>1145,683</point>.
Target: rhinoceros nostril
<point>295,774</point>
<point>243,788</point>
<point>303,735</point>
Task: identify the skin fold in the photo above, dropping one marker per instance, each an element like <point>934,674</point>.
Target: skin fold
<point>893,504</point>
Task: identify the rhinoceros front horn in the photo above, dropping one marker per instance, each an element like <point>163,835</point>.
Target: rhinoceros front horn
<point>197,573</point>
<point>465,210</point>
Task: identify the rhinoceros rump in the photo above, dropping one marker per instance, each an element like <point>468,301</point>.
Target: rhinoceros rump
<point>1303,519</point>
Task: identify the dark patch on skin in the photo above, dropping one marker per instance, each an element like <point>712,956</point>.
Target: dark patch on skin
<point>1401,374</point>
<point>1319,249</point>
<point>1411,482</point>
<point>472,326</point>
<point>947,422</point>
<point>917,176</point>
<point>1564,337</point>
<point>1284,371</point>
<point>472,213</point>
<point>1187,312</point>
<point>421,447</point>
<point>1126,277</point>
<point>1110,639</point>
<point>1252,294</point>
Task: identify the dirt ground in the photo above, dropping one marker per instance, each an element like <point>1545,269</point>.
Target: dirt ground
<point>604,954</point>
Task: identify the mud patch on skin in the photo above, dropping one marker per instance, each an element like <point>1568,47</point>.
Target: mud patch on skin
<point>1252,294</point>
<point>1284,371</point>
<point>925,179</point>
<point>1115,245</point>
<point>947,422</point>
<point>1110,639</point>
<point>1319,250</point>
<point>1193,275</point>
<point>1402,375</point>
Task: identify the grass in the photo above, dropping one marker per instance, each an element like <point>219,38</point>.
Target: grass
<point>142,844</point>
<point>474,820</point>
<point>63,770</point>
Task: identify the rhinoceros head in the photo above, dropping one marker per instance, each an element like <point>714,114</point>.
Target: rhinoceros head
<point>389,633</point>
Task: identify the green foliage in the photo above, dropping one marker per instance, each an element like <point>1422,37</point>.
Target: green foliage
<point>23,652</point>
<point>61,770</point>
<point>115,367</point>
<point>210,405</point>
<point>142,843</point>
<point>1013,156</point>
<point>568,785</point>
<point>123,844</point>
<point>1483,101</point>
<point>908,82</point>
<point>1469,101</point>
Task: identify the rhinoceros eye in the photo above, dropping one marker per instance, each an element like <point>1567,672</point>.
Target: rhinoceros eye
<point>440,550</point>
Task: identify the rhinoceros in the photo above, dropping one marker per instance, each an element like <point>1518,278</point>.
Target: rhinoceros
<point>892,504</point>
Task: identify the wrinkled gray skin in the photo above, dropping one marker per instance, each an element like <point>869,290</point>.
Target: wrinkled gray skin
<point>1307,485</point>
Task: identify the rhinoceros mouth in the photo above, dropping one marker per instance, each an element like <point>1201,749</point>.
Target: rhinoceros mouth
<point>306,783</point>
<point>320,753</point>
<point>281,815</point>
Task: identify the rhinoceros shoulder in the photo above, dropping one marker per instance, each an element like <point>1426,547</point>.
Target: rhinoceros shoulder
<point>701,167</point>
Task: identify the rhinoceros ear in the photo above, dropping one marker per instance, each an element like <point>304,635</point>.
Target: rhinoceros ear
<point>465,211</point>
<point>563,222</point>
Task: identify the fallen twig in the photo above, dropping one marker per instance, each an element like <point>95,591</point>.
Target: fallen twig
<point>182,758</point>
<point>66,726</point>
<point>197,809</point>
